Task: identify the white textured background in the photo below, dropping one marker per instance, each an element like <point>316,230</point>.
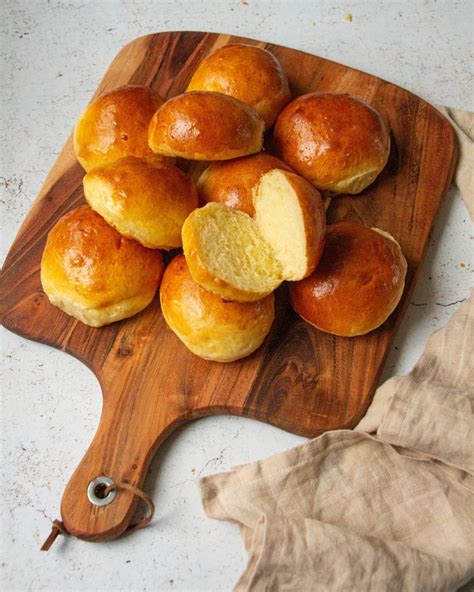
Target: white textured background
<point>53,55</point>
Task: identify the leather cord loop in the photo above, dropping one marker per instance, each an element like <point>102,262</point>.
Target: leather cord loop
<point>58,526</point>
<point>143,496</point>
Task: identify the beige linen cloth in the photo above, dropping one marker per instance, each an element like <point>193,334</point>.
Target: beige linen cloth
<point>386,507</point>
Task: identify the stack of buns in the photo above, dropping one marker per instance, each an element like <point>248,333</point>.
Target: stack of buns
<point>252,221</point>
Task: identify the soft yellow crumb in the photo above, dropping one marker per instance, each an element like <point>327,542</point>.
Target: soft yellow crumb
<point>348,17</point>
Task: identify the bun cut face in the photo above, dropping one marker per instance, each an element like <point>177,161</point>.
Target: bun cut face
<point>205,126</point>
<point>358,282</point>
<point>249,73</point>
<point>143,201</point>
<point>93,273</point>
<point>227,255</point>
<point>115,125</point>
<point>337,142</point>
<point>209,326</point>
<point>290,215</point>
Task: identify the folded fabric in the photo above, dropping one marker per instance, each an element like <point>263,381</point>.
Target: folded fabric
<point>463,124</point>
<point>388,506</point>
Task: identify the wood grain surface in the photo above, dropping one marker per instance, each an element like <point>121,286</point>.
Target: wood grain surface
<point>300,380</point>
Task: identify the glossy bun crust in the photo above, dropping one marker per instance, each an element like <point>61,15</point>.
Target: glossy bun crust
<point>337,142</point>
<point>115,125</point>
<point>210,327</point>
<point>249,73</point>
<point>205,126</point>
<point>93,273</point>
<point>231,182</point>
<point>146,202</point>
<point>357,284</point>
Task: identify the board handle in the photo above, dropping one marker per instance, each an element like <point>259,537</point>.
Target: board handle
<point>100,499</point>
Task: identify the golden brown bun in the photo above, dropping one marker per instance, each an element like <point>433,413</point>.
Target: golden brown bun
<point>115,125</point>
<point>337,142</point>
<point>205,126</point>
<point>243,258</point>
<point>93,273</point>
<point>231,182</point>
<point>251,74</point>
<point>146,202</point>
<point>357,284</point>
<point>209,326</point>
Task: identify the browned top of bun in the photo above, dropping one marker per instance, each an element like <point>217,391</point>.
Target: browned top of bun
<point>206,126</point>
<point>190,304</point>
<point>332,139</point>
<point>116,125</point>
<point>248,73</point>
<point>357,284</point>
<point>87,260</point>
<point>231,182</point>
<point>147,202</point>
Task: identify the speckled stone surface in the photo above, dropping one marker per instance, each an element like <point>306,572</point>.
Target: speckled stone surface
<point>53,56</point>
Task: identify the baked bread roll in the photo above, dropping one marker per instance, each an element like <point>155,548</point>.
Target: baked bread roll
<point>232,182</point>
<point>93,273</point>
<point>116,125</point>
<point>357,284</point>
<point>205,126</point>
<point>146,202</point>
<point>337,142</point>
<point>242,258</point>
<point>249,73</point>
<point>207,325</point>
<point>227,255</point>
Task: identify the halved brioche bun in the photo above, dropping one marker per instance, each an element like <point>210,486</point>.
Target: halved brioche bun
<point>115,125</point>
<point>231,182</point>
<point>93,273</point>
<point>242,258</point>
<point>337,142</point>
<point>357,284</point>
<point>146,202</point>
<point>227,255</point>
<point>249,73</point>
<point>209,326</point>
<point>205,126</point>
<point>290,215</point>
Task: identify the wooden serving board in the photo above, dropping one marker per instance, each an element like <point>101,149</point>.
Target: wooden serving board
<point>300,380</point>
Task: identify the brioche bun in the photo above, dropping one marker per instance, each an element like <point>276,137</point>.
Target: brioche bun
<point>146,202</point>
<point>205,126</point>
<point>207,325</point>
<point>290,215</point>
<point>249,73</point>
<point>337,142</point>
<point>115,125</point>
<point>93,273</point>
<point>227,255</point>
<point>357,284</point>
<point>242,258</point>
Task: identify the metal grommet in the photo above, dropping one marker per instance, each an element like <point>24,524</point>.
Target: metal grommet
<point>92,491</point>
